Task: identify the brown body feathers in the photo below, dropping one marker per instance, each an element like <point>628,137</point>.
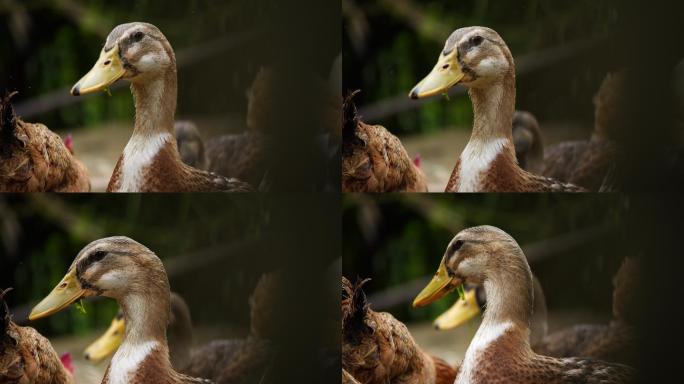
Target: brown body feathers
<point>373,159</point>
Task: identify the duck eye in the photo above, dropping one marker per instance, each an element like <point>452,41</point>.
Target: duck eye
<point>98,255</point>
<point>475,41</point>
<point>138,36</point>
<point>457,245</point>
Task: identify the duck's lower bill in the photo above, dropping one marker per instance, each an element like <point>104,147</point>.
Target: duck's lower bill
<point>440,285</point>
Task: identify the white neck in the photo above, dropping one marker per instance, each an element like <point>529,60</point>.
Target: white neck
<point>127,360</point>
<point>476,159</point>
<point>155,105</point>
<point>146,322</point>
<point>509,301</point>
<point>491,135</point>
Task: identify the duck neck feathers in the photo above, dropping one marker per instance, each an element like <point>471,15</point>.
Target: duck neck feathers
<point>488,162</point>
<point>146,314</point>
<point>491,140</point>
<point>151,162</point>
<point>500,350</point>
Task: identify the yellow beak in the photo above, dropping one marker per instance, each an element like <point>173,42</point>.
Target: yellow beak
<point>459,313</point>
<point>108,343</point>
<point>444,75</point>
<point>66,292</point>
<point>440,285</point>
<point>106,71</point>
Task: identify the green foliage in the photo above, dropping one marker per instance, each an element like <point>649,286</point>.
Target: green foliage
<point>401,48</point>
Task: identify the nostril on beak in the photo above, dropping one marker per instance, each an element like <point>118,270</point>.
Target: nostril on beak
<point>107,62</point>
<point>87,356</point>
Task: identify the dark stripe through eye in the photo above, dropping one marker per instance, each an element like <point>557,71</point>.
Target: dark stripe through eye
<point>456,246</point>
<point>97,256</point>
<point>88,261</point>
<point>138,36</point>
<point>475,41</point>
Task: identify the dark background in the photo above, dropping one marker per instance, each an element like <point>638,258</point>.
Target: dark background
<point>569,241</point>
<point>214,247</point>
<point>220,47</point>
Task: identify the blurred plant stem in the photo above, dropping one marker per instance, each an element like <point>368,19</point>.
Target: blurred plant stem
<point>414,16</point>
<point>87,18</point>
<point>77,226</point>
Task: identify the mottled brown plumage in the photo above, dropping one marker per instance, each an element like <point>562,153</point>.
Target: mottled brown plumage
<point>500,352</point>
<point>615,341</point>
<point>374,160</point>
<point>167,173</point>
<point>589,162</point>
<point>25,355</point>
<point>35,159</point>
<point>377,348</point>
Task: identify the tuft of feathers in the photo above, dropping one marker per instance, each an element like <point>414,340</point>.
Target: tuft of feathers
<point>5,317</point>
<point>354,306</point>
<point>8,122</point>
<point>350,120</point>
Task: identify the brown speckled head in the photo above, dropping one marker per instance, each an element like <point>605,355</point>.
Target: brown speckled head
<point>475,252</point>
<point>481,53</point>
<point>143,49</point>
<point>116,266</point>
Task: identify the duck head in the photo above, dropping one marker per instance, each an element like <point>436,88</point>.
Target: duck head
<point>134,52</point>
<point>472,56</point>
<point>112,267</point>
<point>472,256</point>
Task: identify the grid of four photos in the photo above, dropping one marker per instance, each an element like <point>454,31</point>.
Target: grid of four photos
<point>493,184</point>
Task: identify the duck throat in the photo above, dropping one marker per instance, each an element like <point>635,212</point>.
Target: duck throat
<point>155,106</point>
<point>509,291</point>
<point>146,315</point>
<point>492,136</point>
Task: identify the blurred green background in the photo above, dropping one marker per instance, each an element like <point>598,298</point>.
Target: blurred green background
<point>214,247</point>
<point>220,46</point>
<point>210,247</point>
<point>391,45</point>
<point>49,45</point>
<point>573,244</point>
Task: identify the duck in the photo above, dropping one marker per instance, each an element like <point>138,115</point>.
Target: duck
<point>190,144</point>
<point>139,53</point>
<point>35,159</point>
<point>223,360</point>
<point>589,163</point>
<point>178,333</point>
<point>500,351</point>
<point>478,58</point>
<point>615,341</point>
<point>373,159</point>
<point>120,268</point>
<point>245,155</point>
<point>378,348</point>
<point>528,142</point>
<point>27,356</point>
<point>475,302</point>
